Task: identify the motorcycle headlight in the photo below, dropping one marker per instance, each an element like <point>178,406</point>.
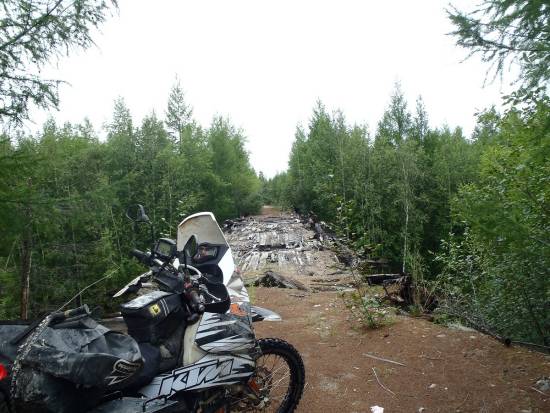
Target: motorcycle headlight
<point>205,252</point>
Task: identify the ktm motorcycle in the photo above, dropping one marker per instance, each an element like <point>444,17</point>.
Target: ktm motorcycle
<point>189,346</point>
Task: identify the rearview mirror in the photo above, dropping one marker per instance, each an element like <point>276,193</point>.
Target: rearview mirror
<point>190,248</point>
<point>137,213</point>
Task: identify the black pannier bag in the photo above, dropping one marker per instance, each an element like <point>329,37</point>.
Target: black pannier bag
<point>153,317</point>
<point>67,370</point>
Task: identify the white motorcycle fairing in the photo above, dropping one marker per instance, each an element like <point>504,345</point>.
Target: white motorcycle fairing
<point>219,349</point>
<point>211,370</point>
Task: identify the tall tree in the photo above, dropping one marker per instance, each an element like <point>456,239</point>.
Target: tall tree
<point>500,267</point>
<point>396,121</point>
<point>420,125</point>
<point>236,189</point>
<point>178,113</point>
<point>122,146</point>
<point>31,33</point>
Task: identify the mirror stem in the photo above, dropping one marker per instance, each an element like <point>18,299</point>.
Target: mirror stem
<point>152,242</point>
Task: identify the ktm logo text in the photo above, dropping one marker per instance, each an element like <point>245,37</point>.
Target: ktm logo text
<point>200,374</point>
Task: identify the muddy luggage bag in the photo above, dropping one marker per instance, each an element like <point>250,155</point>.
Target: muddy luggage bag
<point>68,369</point>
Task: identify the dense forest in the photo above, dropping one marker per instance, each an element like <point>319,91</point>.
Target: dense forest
<point>64,194</point>
<point>466,216</point>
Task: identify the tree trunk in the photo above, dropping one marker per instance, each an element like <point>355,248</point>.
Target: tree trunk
<point>406,204</point>
<point>26,254</point>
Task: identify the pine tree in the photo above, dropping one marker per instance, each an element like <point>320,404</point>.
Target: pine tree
<point>509,31</point>
<point>178,113</point>
<point>31,34</point>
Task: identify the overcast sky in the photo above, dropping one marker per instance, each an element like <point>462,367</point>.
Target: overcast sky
<point>265,63</point>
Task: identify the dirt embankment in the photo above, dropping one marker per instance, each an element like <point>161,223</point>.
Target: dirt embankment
<point>439,369</point>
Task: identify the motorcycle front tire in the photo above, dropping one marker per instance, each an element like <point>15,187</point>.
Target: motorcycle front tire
<point>287,352</point>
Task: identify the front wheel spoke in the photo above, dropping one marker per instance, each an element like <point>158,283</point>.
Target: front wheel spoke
<point>275,377</point>
<point>276,384</point>
<point>270,376</point>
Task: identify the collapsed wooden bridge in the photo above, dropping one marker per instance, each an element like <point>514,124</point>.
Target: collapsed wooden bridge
<point>283,243</point>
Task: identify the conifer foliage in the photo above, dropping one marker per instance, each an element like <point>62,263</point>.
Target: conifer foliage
<point>31,34</point>
<point>466,218</point>
<point>64,194</point>
<point>509,31</point>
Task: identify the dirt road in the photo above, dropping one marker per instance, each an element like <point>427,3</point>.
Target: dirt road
<point>445,370</point>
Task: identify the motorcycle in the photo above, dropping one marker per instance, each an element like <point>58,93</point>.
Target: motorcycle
<point>189,346</point>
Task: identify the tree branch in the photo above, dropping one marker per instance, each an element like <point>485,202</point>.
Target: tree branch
<point>37,23</point>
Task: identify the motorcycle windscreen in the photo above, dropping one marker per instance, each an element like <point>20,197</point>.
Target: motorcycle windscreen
<point>204,227</point>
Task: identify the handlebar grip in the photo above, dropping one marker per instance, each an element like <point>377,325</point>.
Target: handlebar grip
<point>196,302</point>
<point>77,311</point>
<point>143,257</point>
<point>62,316</point>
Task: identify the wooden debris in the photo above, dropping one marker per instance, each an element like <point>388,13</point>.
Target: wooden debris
<point>430,358</point>
<point>380,383</point>
<point>272,279</point>
<point>457,408</point>
<point>540,391</point>
<point>383,359</point>
<point>285,245</point>
<point>379,279</point>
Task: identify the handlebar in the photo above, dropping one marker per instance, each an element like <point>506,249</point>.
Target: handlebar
<point>195,301</point>
<point>190,288</point>
<point>64,315</point>
<point>143,257</point>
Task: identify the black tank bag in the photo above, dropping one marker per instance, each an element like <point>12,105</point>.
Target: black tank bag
<point>153,317</point>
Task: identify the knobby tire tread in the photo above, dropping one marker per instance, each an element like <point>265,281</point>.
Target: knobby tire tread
<point>297,369</point>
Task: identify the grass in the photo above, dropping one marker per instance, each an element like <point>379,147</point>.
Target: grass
<point>368,309</point>
<point>321,324</point>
